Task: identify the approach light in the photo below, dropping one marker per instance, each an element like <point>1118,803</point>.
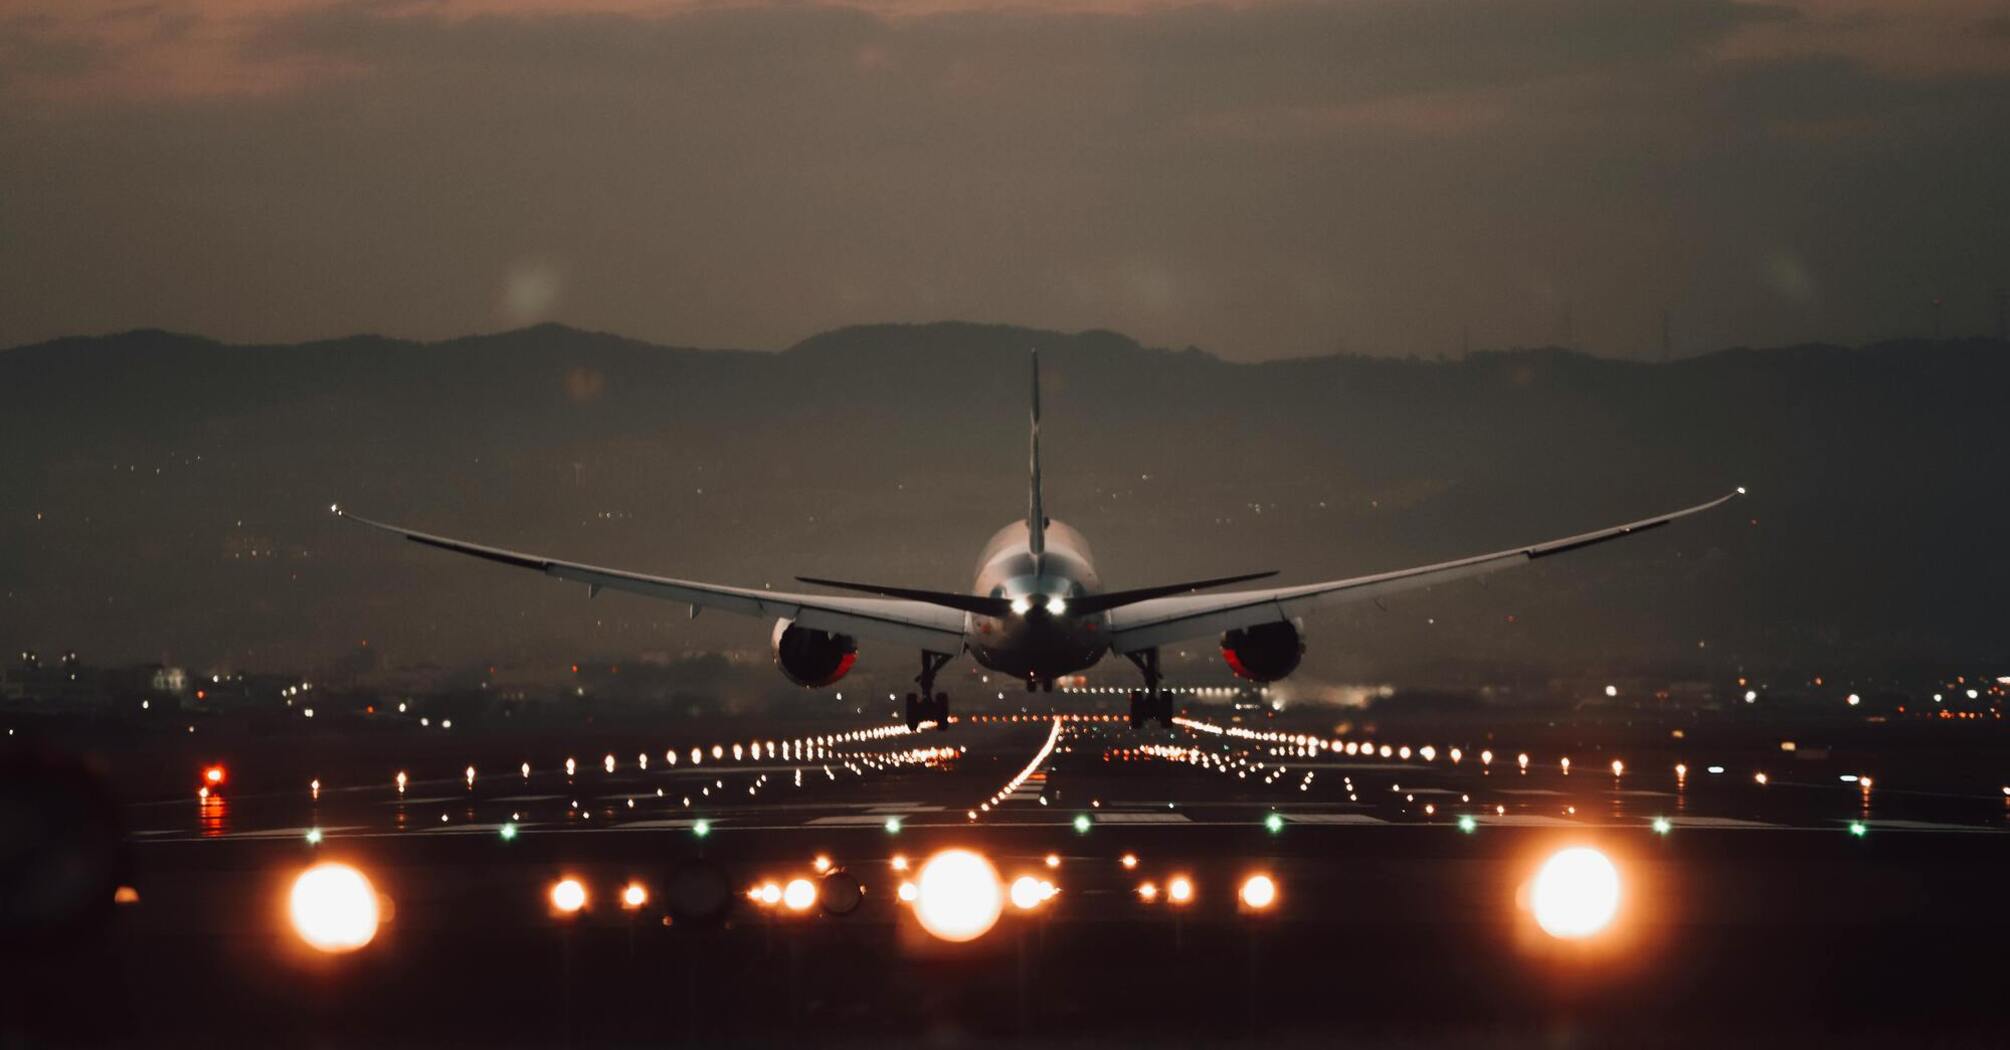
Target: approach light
<point>568,895</point>
<point>1258,892</point>
<point>958,895</point>
<point>333,908</point>
<point>799,895</point>
<point>1575,894</point>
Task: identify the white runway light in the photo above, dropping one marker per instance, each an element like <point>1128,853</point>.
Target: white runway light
<point>1575,894</point>
<point>958,897</point>
<point>333,908</point>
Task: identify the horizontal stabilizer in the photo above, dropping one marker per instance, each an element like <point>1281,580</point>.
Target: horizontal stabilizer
<point>1095,603</point>
<point>974,603</point>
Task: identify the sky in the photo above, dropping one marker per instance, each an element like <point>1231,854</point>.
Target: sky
<point>1259,179</point>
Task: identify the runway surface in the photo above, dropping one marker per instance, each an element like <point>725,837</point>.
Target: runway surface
<point>1846,890</point>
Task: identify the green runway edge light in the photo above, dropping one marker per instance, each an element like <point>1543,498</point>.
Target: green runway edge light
<point>1857,828</point>
<point>507,831</point>
<point>701,828</point>
<point>1467,824</point>
<point>893,825</point>
<point>314,836</point>
<point>1273,823</point>
<point>1081,823</point>
<point>1662,826</point>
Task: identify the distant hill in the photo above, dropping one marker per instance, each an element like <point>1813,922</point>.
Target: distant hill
<point>166,494</point>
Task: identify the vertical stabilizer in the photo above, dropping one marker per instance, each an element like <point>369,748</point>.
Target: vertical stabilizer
<point>1036,514</point>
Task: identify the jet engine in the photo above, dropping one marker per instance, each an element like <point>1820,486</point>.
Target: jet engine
<point>1265,652</point>
<point>812,659</point>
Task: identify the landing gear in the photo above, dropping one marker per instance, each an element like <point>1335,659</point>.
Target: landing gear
<point>920,707</point>
<point>1151,701</point>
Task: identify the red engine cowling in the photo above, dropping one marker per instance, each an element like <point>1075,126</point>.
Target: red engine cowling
<point>812,659</point>
<point>1265,652</point>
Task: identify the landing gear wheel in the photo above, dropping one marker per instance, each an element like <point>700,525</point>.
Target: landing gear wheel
<point>913,712</point>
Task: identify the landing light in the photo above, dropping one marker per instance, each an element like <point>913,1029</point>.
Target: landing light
<point>1575,894</point>
<point>333,908</point>
<point>1056,606</point>
<point>1022,605</point>
<point>799,895</point>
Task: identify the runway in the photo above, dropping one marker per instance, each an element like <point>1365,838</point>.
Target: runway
<point>1815,907</point>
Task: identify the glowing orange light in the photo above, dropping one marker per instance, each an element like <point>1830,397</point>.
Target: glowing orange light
<point>568,896</point>
<point>1258,892</point>
<point>214,775</point>
<point>634,895</point>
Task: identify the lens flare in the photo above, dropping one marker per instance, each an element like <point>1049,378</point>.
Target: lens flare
<point>333,908</point>
<point>1575,894</point>
<point>958,896</point>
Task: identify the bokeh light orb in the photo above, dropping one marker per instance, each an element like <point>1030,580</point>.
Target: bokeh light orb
<point>799,895</point>
<point>1258,892</point>
<point>568,896</point>
<point>958,896</point>
<point>1575,894</point>
<point>333,908</point>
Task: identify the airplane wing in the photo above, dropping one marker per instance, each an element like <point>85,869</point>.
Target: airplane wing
<point>902,622</point>
<point>1162,620</point>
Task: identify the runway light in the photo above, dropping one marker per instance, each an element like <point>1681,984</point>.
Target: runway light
<point>1054,859</point>
<point>213,776</point>
<point>960,898</point>
<point>1027,892</point>
<point>899,862</point>
<point>1575,894</point>
<point>1258,892</point>
<point>893,825</point>
<point>634,895</point>
<point>1662,826</point>
<point>1273,823</point>
<point>314,836</point>
<point>333,908</point>
<point>568,896</point>
<point>1129,861</point>
<point>1148,892</point>
<point>1081,823</point>
<point>1179,889</point>
<point>799,895</point>
<point>701,828</point>
<point>507,831</point>
<point>1858,828</point>
<point>1467,824</point>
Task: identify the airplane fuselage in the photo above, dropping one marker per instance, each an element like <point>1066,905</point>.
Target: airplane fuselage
<point>1044,638</point>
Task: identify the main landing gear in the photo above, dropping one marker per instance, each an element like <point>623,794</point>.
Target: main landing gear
<point>928,705</point>
<point>1151,701</point>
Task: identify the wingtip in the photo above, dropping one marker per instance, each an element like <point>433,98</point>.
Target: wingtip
<point>335,509</point>
<point>1740,492</point>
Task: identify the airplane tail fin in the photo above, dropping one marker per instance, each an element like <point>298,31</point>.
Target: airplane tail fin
<point>1036,514</point>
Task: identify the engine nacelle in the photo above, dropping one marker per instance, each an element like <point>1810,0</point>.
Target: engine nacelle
<point>812,659</point>
<point>1265,652</point>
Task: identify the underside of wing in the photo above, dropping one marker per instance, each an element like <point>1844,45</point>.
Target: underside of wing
<point>1171,619</point>
<point>903,622</point>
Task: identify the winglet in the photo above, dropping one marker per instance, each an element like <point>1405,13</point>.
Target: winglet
<point>1036,514</point>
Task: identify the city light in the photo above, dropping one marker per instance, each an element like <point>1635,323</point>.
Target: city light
<point>1179,889</point>
<point>333,908</point>
<point>634,895</point>
<point>1028,892</point>
<point>959,896</point>
<point>1575,894</point>
<point>568,896</point>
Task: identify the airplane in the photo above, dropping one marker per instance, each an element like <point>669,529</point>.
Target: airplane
<point>1037,610</point>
